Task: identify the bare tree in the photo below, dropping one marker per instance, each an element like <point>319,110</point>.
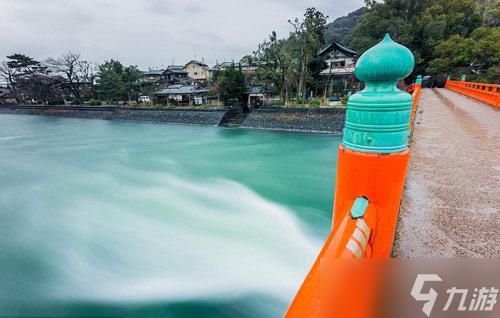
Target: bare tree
<point>68,66</point>
<point>87,75</point>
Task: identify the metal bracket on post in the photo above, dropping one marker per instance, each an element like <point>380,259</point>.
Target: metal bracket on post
<point>359,208</point>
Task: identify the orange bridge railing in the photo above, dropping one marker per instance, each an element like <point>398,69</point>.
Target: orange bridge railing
<point>414,89</point>
<point>487,93</point>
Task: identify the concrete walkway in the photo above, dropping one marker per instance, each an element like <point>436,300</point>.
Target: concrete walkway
<point>451,201</point>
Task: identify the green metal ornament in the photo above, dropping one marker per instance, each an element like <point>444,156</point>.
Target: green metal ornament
<point>377,118</point>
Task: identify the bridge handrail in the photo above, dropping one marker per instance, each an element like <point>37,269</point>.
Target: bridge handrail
<point>415,87</point>
<point>487,93</point>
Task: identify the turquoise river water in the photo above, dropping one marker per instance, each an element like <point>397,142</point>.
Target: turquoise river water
<point>115,219</point>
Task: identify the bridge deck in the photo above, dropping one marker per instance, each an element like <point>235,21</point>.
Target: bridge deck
<point>451,201</point>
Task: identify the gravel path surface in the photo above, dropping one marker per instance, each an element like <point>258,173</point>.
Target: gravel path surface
<point>451,201</point>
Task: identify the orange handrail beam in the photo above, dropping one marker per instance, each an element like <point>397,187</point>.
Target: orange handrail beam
<point>487,93</point>
<point>350,238</point>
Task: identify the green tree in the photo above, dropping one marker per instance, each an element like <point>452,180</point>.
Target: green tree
<point>276,67</point>
<point>16,70</point>
<point>230,84</point>
<point>130,77</point>
<point>109,83</point>
<point>306,41</point>
<point>23,63</point>
<point>293,64</point>
<point>477,56</point>
<point>30,79</point>
<point>420,25</point>
<point>491,12</point>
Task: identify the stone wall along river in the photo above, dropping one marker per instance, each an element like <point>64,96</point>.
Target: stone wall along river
<point>185,116</point>
<point>319,120</point>
<point>315,120</point>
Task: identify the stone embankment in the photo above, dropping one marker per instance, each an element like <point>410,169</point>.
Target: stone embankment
<point>184,116</point>
<point>313,120</point>
<point>317,120</point>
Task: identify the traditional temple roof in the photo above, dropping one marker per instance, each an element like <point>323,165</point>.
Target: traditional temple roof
<point>336,46</point>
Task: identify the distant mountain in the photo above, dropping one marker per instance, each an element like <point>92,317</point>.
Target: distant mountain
<point>342,29</point>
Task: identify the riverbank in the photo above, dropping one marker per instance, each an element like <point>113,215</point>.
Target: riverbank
<point>315,120</point>
<point>310,120</point>
<point>183,116</point>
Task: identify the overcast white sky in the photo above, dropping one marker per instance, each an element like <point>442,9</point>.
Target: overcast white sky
<point>150,33</point>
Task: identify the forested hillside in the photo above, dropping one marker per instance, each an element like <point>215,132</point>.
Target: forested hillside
<point>447,37</point>
<point>342,29</point>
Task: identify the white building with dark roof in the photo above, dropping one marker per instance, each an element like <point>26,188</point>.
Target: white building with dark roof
<point>341,62</point>
<point>183,94</point>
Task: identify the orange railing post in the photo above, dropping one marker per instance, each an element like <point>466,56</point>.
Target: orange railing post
<point>371,170</point>
<point>416,94</point>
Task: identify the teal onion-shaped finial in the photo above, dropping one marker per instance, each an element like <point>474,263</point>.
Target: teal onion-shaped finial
<point>418,80</point>
<point>463,77</point>
<point>448,78</point>
<point>377,118</point>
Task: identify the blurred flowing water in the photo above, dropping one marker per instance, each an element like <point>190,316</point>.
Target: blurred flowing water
<point>102,218</point>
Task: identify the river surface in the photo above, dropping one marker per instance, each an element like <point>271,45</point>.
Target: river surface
<point>118,219</point>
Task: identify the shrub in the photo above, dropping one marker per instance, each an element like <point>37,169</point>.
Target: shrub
<point>344,99</point>
<point>338,88</point>
<point>75,102</point>
<point>95,102</point>
<point>56,101</point>
<point>133,104</point>
<point>315,103</point>
<point>279,103</point>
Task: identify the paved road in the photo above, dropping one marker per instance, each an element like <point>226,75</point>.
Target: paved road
<point>451,201</point>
